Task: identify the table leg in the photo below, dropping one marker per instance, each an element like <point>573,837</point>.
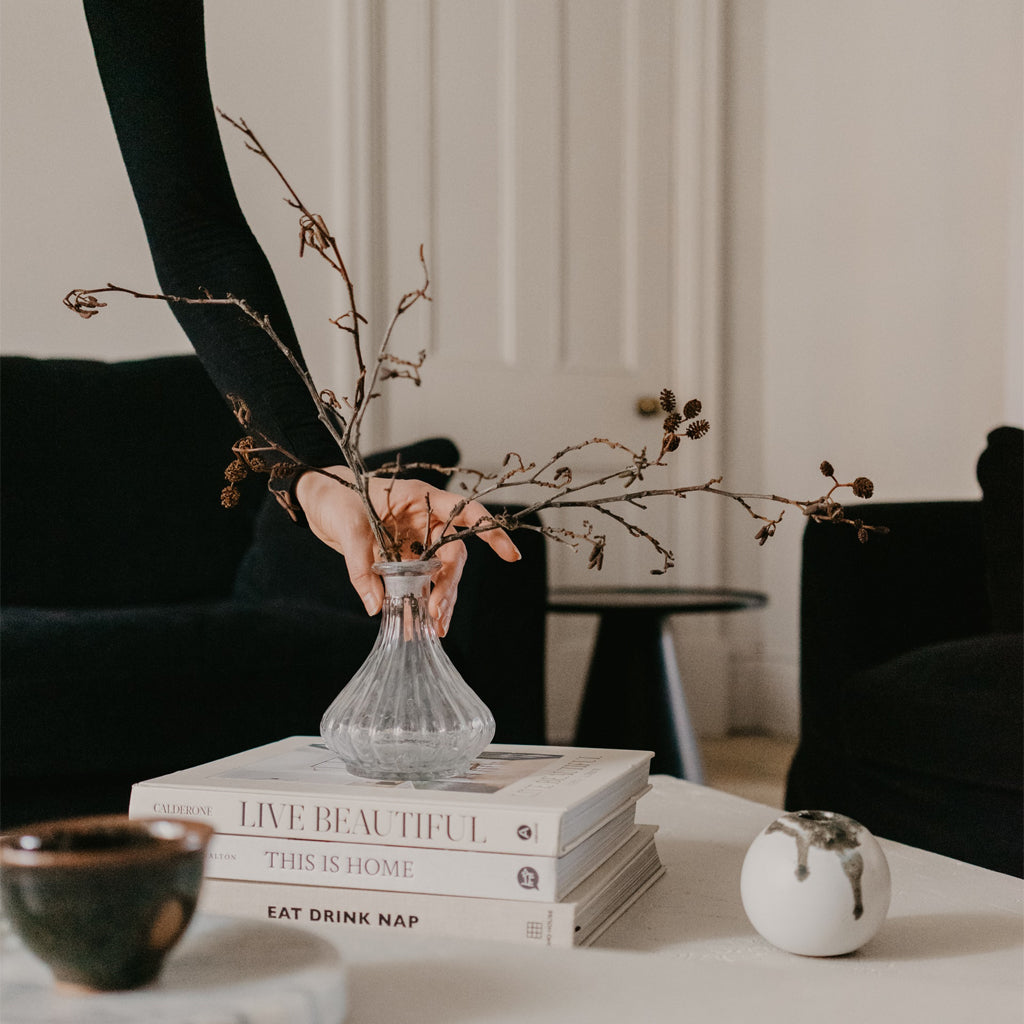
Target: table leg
<point>634,696</point>
<point>675,698</point>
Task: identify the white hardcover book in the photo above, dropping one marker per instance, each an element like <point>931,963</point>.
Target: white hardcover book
<point>577,920</point>
<point>514,799</point>
<point>512,876</point>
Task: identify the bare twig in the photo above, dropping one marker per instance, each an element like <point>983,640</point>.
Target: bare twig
<point>611,494</point>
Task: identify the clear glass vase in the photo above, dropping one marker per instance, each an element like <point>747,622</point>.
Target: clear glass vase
<point>407,713</point>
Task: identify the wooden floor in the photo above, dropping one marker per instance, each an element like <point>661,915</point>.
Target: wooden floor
<point>753,767</point>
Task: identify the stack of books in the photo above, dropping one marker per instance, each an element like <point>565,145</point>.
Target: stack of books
<point>533,844</point>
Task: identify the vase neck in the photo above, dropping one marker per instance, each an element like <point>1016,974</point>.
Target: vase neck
<point>404,580</point>
<point>406,596</point>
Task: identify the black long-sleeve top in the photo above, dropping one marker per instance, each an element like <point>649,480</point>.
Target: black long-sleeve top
<point>151,56</point>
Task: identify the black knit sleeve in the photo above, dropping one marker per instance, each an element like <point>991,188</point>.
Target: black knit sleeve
<point>151,56</point>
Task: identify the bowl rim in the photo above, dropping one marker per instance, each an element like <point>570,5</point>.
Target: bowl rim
<point>183,836</point>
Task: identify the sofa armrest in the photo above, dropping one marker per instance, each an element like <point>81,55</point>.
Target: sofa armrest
<point>864,604</point>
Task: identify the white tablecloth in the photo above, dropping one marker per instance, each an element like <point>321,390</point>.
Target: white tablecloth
<point>952,949</point>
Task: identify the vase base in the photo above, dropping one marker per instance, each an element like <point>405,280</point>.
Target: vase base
<point>410,775</point>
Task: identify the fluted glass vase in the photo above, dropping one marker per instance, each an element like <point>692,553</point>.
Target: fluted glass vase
<point>407,713</point>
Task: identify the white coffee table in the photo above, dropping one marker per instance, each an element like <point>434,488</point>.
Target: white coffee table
<point>951,951</point>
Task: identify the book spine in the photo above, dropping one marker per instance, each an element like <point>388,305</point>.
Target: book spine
<point>369,866</point>
<point>357,820</point>
<point>335,911</point>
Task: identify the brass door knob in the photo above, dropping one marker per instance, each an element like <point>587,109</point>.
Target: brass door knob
<point>648,405</point>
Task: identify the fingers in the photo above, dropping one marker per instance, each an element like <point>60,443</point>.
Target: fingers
<point>336,517</point>
<point>446,584</point>
<point>497,539</point>
<point>368,585</point>
<point>351,535</point>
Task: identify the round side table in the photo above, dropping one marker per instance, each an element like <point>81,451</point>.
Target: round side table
<point>634,694</point>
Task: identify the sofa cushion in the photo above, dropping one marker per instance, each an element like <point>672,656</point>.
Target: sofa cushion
<point>925,730</point>
<point>111,483</point>
<point>931,749</point>
<point>162,688</point>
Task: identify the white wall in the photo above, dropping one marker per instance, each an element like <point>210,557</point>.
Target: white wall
<point>874,266</point>
<point>872,221</point>
<point>68,216</point>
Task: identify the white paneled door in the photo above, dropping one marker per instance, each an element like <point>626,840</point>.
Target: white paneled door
<point>555,160</point>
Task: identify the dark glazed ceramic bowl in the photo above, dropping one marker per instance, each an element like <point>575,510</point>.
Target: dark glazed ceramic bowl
<point>101,900</point>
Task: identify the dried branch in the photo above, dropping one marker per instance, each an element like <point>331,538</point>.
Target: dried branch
<point>611,494</point>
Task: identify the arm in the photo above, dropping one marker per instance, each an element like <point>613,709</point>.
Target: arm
<point>151,56</point>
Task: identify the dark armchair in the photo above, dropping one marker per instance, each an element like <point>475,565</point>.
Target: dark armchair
<point>145,629</point>
<point>912,670</point>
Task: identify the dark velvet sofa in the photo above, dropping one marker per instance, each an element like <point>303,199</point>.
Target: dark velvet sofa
<point>145,629</point>
<point>912,670</point>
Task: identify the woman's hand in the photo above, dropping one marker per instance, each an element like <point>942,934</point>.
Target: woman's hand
<point>336,516</point>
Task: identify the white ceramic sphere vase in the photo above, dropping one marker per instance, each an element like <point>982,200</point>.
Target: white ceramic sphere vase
<point>816,883</point>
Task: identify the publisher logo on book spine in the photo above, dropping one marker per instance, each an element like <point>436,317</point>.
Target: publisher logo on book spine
<point>528,878</point>
<point>525,832</point>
